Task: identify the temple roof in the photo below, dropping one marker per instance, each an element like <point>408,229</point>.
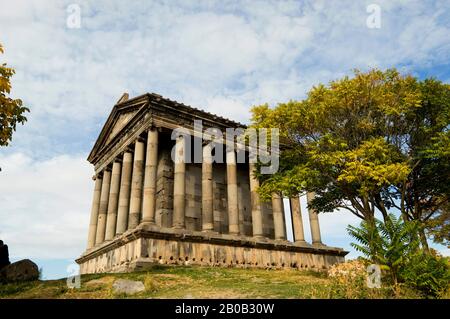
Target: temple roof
<point>127,113</point>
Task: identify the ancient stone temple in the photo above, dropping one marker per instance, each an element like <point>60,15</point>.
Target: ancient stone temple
<point>148,208</point>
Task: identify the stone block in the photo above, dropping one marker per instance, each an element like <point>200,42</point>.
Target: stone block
<point>22,270</point>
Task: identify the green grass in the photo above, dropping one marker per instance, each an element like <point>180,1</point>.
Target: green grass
<point>189,282</point>
<point>183,282</point>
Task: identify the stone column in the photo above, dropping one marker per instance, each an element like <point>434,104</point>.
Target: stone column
<point>124,193</point>
<point>314,221</point>
<point>179,181</point>
<point>297,222</point>
<point>232,192</point>
<point>136,184</point>
<point>94,211</point>
<point>151,165</point>
<point>207,189</point>
<point>278,217</point>
<point>255,203</point>
<point>113,200</point>
<point>103,208</point>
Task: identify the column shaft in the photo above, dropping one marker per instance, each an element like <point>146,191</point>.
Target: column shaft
<point>94,212</point>
<point>278,217</point>
<point>257,222</point>
<point>151,164</point>
<point>136,185</point>
<point>113,201</point>
<point>103,208</point>
<point>313,221</point>
<point>179,181</point>
<point>207,189</point>
<point>124,193</point>
<point>232,192</point>
<point>297,222</point>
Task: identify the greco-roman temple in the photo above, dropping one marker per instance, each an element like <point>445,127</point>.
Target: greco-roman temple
<point>149,209</point>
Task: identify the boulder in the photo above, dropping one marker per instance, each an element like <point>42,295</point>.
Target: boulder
<point>22,270</point>
<point>129,287</point>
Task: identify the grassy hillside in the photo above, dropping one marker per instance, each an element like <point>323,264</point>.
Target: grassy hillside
<point>194,282</point>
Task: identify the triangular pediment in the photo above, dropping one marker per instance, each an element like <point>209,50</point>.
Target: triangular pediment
<point>118,121</point>
<point>121,121</point>
<point>127,113</point>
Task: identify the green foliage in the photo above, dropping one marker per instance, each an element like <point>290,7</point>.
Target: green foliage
<point>428,274</point>
<point>391,244</point>
<point>394,245</point>
<point>439,226</point>
<point>11,110</point>
<point>207,282</point>
<point>371,143</point>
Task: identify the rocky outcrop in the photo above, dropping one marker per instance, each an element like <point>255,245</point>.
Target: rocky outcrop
<point>129,287</point>
<point>22,270</point>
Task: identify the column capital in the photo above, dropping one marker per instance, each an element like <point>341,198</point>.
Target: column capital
<point>227,148</point>
<point>127,149</point>
<point>206,142</point>
<point>154,127</point>
<point>140,139</point>
<point>180,137</point>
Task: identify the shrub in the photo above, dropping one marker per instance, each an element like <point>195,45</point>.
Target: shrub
<point>349,280</point>
<point>429,274</point>
<point>348,272</point>
<point>390,244</point>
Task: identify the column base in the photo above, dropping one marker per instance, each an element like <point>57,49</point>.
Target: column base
<point>281,241</point>
<point>143,247</point>
<point>147,223</point>
<point>302,243</point>
<point>260,237</point>
<point>319,244</point>
<point>209,231</point>
<point>208,227</point>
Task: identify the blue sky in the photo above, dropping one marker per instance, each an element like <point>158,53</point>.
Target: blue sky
<point>221,56</point>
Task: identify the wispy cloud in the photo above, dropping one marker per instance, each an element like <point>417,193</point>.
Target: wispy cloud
<point>44,205</point>
<point>222,56</point>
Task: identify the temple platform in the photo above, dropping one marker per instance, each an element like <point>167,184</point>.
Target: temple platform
<point>148,245</point>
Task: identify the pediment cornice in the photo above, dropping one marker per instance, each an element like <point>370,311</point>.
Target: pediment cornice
<point>131,117</point>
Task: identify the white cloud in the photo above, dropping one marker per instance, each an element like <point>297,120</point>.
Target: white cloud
<point>44,205</point>
<point>223,56</point>
<point>270,52</point>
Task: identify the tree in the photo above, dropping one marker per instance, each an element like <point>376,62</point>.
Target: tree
<point>376,142</point>
<point>11,110</point>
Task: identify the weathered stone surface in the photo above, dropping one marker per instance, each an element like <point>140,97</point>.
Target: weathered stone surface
<point>129,287</point>
<point>153,245</point>
<point>22,270</point>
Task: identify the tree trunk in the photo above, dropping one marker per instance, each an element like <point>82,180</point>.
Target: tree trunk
<point>423,241</point>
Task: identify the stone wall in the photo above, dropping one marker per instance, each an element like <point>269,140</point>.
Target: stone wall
<point>144,247</point>
<point>193,218</point>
